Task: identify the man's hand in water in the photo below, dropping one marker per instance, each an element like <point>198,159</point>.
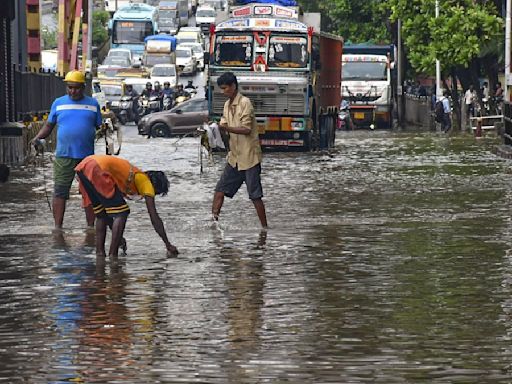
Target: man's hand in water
<point>172,250</point>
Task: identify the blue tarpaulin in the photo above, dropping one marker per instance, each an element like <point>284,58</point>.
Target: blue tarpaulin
<point>162,37</point>
<point>286,3</point>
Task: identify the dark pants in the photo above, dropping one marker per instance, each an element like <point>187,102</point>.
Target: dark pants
<point>446,124</point>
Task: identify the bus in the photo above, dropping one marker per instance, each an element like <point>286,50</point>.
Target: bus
<point>130,25</point>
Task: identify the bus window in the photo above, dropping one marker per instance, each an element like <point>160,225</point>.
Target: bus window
<point>131,32</point>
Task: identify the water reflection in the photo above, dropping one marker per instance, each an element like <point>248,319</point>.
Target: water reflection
<point>387,261</point>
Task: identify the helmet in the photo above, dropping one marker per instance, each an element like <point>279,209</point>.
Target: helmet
<point>190,82</point>
<point>148,84</point>
<point>167,83</point>
<point>75,77</point>
<point>157,84</point>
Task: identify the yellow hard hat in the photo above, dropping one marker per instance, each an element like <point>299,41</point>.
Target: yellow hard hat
<point>75,77</point>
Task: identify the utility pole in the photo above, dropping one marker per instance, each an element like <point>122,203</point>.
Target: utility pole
<point>438,63</point>
<point>507,48</point>
<point>400,91</point>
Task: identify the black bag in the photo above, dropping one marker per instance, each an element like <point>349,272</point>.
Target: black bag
<point>439,111</point>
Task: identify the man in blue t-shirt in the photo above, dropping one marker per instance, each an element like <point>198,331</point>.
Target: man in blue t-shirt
<point>77,117</point>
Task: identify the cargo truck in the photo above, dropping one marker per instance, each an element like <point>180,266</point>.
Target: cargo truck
<point>287,67</point>
<point>368,84</point>
<point>159,49</point>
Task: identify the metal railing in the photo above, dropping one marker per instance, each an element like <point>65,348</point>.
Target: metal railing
<point>35,91</point>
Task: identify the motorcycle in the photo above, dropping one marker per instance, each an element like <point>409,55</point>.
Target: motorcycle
<point>344,120</point>
<point>167,102</point>
<point>126,112</point>
<point>191,90</point>
<point>149,105</point>
<point>181,99</point>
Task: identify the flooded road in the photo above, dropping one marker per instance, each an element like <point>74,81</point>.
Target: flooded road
<point>386,261</point>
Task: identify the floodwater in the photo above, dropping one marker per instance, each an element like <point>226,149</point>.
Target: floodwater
<point>387,261</point>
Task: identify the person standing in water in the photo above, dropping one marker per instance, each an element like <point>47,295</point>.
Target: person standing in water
<point>244,156</point>
<point>76,117</point>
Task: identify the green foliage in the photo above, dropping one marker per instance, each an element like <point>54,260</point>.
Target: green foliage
<point>456,37</point>
<point>99,27</point>
<point>49,38</point>
<point>358,21</point>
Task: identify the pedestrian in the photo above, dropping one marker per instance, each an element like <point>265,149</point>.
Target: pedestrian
<point>469,101</point>
<point>104,182</point>
<point>446,123</point>
<point>78,117</point>
<point>4,173</point>
<point>485,91</point>
<point>244,156</point>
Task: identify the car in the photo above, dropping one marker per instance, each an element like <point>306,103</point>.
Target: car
<point>113,64</point>
<point>137,83</point>
<point>184,119</point>
<point>197,50</point>
<point>205,16</point>
<point>163,73</point>
<point>185,60</point>
<point>113,91</point>
<point>121,52</point>
<point>190,35</point>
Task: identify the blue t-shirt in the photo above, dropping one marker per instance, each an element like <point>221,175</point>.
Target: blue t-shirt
<point>76,126</point>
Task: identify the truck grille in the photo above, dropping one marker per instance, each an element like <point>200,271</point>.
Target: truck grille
<point>268,104</point>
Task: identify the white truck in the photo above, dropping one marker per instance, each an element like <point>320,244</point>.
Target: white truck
<point>367,84</point>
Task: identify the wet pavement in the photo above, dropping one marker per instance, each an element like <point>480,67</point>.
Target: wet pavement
<point>387,261</point>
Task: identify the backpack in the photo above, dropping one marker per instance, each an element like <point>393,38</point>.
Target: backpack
<point>439,111</point>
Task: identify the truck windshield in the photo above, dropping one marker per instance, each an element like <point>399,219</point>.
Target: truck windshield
<point>131,32</point>
<point>233,51</point>
<point>361,70</point>
<point>287,52</point>
<point>205,13</point>
<point>163,71</point>
<point>157,59</point>
<point>167,16</point>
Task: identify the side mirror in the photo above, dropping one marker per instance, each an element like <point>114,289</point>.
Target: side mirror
<point>178,111</point>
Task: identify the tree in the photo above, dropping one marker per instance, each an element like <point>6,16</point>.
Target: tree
<point>457,37</point>
<point>358,21</point>
<point>99,27</point>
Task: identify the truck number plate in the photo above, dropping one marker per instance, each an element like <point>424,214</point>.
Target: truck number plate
<point>359,115</point>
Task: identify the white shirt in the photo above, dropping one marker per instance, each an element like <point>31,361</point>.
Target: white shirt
<point>469,96</point>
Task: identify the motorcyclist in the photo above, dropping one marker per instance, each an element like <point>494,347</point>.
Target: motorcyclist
<point>167,92</point>
<point>157,91</point>
<point>190,87</point>
<point>148,90</point>
<point>129,91</point>
<point>180,91</point>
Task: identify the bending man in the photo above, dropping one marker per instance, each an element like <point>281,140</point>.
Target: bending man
<point>104,182</point>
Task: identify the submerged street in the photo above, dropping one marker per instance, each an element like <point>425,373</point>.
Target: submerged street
<point>387,260</point>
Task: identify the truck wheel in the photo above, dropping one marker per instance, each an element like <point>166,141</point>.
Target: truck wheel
<point>160,130</point>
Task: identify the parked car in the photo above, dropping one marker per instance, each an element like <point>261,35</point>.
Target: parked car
<point>180,120</point>
<point>185,60</point>
<point>197,51</point>
<point>163,73</point>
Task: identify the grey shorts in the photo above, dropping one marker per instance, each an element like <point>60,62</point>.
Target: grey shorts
<point>63,175</point>
<point>232,179</point>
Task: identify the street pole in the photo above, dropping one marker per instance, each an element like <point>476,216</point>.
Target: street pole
<point>438,63</point>
<point>507,48</point>
<point>400,92</point>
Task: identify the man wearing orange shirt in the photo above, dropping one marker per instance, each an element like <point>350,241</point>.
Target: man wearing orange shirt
<point>104,182</point>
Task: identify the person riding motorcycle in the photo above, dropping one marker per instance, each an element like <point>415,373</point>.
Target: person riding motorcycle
<point>157,91</point>
<point>190,87</point>
<point>167,91</point>
<point>181,92</point>
<point>129,91</point>
<point>147,92</point>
